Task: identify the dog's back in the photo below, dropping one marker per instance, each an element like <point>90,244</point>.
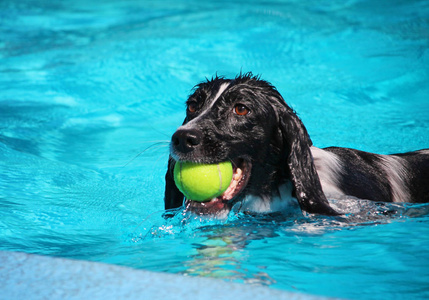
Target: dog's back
<point>386,178</point>
<point>418,180</point>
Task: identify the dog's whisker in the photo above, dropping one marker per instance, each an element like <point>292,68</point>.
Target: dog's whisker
<point>161,156</point>
<point>156,141</point>
<point>160,132</point>
<point>158,145</point>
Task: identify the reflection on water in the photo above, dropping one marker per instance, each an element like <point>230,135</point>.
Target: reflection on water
<point>222,253</point>
<point>246,248</point>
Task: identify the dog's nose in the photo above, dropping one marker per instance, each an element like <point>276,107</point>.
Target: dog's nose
<point>185,140</point>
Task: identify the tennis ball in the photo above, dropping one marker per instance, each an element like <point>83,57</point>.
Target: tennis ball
<point>200,182</point>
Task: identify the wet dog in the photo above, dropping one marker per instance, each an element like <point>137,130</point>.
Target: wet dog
<point>246,121</point>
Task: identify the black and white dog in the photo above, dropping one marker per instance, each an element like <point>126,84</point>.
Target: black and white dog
<point>246,121</point>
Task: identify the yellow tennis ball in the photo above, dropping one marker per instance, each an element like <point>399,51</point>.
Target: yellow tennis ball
<point>200,182</point>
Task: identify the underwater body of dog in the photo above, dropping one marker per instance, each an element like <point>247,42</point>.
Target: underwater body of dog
<point>246,121</point>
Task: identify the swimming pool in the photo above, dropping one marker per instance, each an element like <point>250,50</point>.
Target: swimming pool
<point>91,93</point>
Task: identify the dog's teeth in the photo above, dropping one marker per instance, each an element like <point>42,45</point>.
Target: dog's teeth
<point>237,175</point>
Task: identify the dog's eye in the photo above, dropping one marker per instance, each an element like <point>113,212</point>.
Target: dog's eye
<point>192,107</point>
<point>241,110</point>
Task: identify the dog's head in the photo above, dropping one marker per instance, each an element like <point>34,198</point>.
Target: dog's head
<point>245,121</point>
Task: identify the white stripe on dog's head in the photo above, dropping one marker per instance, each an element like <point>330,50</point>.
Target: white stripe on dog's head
<point>222,89</point>
<point>219,93</point>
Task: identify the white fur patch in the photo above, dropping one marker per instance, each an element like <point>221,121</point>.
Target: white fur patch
<point>222,89</point>
<point>219,93</point>
<point>280,201</point>
<point>396,172</point>
<point>328,167</point>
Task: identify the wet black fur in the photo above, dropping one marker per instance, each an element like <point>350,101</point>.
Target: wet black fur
<point>272,137</point>
<point>276,142</point>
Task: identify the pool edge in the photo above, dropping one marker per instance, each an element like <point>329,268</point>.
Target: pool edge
<point>30,276</point>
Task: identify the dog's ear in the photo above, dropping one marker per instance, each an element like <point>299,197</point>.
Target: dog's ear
<point>299,163</point>
<point>173,198</point>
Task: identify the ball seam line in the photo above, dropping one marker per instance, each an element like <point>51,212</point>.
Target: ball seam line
<point>220,178</point>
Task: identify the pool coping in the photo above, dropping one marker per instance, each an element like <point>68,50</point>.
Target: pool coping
<point>30,276</point>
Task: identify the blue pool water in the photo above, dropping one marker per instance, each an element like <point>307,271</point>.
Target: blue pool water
<point>91,92</point>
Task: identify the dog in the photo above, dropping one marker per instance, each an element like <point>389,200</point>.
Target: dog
<point>275,166</point>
